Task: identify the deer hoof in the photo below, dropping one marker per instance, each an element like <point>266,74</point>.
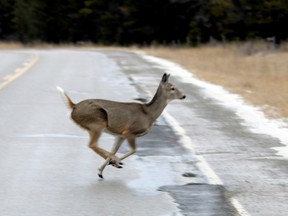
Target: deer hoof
<point>116,163</point>
<point>113,162</point>
<point>100,176</point>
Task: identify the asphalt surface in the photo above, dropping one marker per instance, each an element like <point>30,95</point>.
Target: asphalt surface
<point>46,167</point>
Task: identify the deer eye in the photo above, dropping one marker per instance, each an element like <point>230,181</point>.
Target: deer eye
<point>172,88</point>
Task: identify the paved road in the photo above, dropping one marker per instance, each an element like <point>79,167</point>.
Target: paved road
<point>47,169</point>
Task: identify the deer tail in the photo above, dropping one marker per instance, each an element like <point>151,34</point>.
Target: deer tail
<point>66,98</point>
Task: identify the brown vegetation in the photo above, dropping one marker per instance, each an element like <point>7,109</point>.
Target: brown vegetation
<point>258,72</point>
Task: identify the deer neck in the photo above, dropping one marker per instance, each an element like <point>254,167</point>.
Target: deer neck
<point>156,106</point>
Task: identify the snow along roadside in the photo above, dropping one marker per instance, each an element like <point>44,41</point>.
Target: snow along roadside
<point>252,116</point>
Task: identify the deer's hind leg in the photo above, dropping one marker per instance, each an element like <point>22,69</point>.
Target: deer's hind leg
<point>93,144</point>
<point>112,159</point>
<point>109,156</point>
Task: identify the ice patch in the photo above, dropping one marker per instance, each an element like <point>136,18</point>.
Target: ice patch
<point>252,116</point>
<point>155,172</point>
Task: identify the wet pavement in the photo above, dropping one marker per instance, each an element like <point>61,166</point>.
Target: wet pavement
<point>198,159</point>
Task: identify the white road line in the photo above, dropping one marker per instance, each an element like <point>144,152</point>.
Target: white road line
<point>239,207</point>
<point>211,177</point>
<point>19,72</point>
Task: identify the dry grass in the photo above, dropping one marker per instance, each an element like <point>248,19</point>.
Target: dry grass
<point>256,72</point>
<point>42,45</point>
<point>10,45</point>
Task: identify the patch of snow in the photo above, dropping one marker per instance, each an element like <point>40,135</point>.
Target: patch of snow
<point>252,116</point>
<point>155,172</point>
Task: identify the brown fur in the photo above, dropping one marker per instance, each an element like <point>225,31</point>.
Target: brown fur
<point>124,120</point>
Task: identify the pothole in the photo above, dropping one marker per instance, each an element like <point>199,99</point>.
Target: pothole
<point>189,175</point>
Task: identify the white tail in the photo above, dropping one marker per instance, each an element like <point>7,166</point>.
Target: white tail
<point>65,97</point>
<point>124,120</point>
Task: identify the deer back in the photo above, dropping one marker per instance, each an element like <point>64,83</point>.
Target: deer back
<point>114,117</point>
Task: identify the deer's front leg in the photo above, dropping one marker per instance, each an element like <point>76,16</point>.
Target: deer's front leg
<point>114,161</point>
<point>132,144</point>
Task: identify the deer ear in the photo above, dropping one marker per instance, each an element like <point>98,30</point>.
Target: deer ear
<point>165,78</point>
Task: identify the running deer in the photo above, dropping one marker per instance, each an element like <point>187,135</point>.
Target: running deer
<point>124,120</point>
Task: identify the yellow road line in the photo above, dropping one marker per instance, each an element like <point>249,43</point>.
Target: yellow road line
<point>19,72</point>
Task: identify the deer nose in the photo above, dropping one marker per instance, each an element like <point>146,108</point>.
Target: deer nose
<point>183,97</point>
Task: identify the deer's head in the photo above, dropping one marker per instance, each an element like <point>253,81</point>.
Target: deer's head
<point>169,90</point>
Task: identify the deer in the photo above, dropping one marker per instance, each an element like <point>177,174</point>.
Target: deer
<point>126,121</point>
